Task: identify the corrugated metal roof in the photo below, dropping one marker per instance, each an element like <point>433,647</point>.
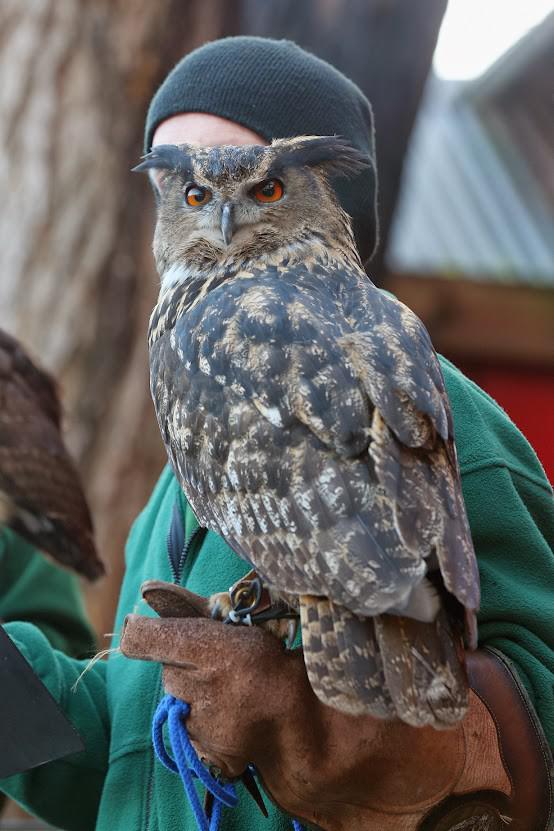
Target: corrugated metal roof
<point>478,190</point>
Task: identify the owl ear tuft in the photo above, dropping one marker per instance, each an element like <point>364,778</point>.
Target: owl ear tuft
<point>334,154</point>
<point>161,160</point>
<point>166,157</point>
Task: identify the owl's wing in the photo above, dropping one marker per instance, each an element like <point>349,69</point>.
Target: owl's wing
<point>412,439</point>
<point>268,407</point>
<point>268,401</point>
<point>267,427</point>
<point>41,496</point>
<point>394,358</point>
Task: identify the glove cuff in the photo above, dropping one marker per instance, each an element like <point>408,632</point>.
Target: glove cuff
<point>524,754</point>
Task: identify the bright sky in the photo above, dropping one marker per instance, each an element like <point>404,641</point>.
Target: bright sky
<point>475,33</point>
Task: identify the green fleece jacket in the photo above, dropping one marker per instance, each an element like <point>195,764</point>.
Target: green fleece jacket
<point>117,785</point>
<point>34,589</point>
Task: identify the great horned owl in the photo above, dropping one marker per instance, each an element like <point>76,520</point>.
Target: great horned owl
<point>41,496</point>
<point>305,416</point>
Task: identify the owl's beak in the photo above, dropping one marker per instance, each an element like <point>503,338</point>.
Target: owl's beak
<point>227,225</point>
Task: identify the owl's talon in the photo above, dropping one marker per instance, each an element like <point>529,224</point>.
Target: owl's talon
<point>252,788</point>
<point>208,805</point>
<point>291,633</point>
<point>220,605</point>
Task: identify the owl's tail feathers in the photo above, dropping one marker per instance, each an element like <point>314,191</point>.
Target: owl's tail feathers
<point>424,670</point>
<point>342,659</point>
<point>387,666</point>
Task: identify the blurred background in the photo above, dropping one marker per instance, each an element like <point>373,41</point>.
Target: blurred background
<point>463,100</point>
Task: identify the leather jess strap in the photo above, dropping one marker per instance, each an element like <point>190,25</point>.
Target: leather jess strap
<point>525,754</point>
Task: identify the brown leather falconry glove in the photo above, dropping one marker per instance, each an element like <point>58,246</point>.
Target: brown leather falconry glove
<point>251,702</point>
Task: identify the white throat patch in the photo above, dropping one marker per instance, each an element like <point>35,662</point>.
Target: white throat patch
<point>175,274</point>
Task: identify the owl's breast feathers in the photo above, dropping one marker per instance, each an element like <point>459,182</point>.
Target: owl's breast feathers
<point>305,415</point>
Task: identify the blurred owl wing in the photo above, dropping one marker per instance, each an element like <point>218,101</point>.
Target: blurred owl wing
<point>41,496</point>
<point>412,439</point>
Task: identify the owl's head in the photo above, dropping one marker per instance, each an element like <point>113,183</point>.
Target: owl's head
<point>223,205</point>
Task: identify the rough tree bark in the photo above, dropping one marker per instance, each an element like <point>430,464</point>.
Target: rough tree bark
<point>77,280</point>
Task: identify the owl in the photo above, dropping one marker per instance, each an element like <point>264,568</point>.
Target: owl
<point>41,497</point>
<point>305,416</point>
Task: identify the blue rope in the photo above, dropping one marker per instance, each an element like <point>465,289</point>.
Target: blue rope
<point>187,764</point>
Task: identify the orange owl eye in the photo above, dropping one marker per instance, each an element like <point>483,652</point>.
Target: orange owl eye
<point>270,191</point>
<point>195,196</point>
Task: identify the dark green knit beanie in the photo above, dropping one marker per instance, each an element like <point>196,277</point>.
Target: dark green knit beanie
<point>278,90</point>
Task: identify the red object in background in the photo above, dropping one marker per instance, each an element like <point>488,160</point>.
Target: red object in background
<point>527,395</point>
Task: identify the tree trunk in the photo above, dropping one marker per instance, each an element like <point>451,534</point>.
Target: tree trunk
<point>78,281</point>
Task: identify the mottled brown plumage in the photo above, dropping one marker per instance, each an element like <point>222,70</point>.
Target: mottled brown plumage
<point>305,415</point>
<point>40,493</point>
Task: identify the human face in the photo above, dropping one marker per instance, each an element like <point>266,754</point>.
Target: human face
<point>204,130</point>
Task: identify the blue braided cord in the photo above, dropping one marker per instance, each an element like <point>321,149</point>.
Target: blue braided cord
<point>217,810</point>
<point>187,758</point>
<point>187,764</point>
<point>160,717</point>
